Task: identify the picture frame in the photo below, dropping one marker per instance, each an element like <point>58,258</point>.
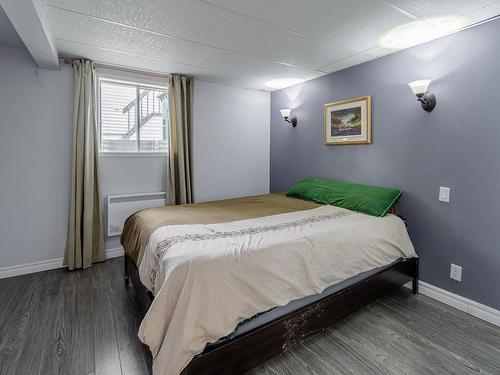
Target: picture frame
<point>348,122</point>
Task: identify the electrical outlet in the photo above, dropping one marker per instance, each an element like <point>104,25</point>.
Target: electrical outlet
<point>456,272</point>
<point>444,194</point>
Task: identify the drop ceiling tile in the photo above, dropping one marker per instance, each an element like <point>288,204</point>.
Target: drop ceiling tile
<point>441,8</point>
<point>366,32</point>
<point>232,80</point>
<point>187,19</point>
<point>184,19</point>
<point>378,51</point>
<point>115,58</point>
<point>319,17</point>
<point>251,8</point>
<point>242,42</point>
<point>217,27</point>
<point>118,58</point>
<point>347,62</point>
<point>239,64</point>
<point>82,6</point>
<point>86,30</point>
<point>482,14</point>
<point>267,41</point>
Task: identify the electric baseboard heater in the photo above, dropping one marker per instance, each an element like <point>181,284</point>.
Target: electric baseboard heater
<point>120,207</point>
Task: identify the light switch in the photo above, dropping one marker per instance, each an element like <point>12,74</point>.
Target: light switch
<point>444,194</point>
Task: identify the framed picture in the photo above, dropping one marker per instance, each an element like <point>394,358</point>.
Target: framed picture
<point>348,122</point>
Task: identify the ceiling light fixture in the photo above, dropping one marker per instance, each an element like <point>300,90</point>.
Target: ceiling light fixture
<point>421,31</point>
<point>426,98</point>
<point>281,83</point>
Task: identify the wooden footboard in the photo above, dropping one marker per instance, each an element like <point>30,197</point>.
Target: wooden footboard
<point>256,346</point>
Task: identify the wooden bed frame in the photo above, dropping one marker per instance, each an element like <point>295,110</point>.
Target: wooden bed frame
<point>248,350</point>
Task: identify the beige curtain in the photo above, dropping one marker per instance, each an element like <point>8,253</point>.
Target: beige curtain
<point>178,176</point>
<point>85,233</point>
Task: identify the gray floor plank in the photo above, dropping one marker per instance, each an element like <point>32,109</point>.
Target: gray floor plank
<point>81,324</point>
<point>41,325</point>
<point>10,291</point>
<point>58,355</point>
<point>86,322</point>
<point>453,359</point>
<point>469,340</point>
<point>124,314</point>
<point>107,356</point>
<point>16,335</point>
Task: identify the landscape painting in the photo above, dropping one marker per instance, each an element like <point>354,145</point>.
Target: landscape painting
<point>348,121</point>
<point>345,122</point>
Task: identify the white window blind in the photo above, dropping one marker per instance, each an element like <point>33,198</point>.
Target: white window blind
<point>132,117</point>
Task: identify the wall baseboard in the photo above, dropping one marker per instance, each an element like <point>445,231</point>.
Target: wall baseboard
<point>114,253</point>
<point>23,269</point>
<point>45,265</point>
<point>466,305</point>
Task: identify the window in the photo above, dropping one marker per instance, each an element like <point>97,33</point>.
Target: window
<point>132,117</point>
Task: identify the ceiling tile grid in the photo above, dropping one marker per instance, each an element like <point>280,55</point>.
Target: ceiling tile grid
<point>443,8</point>
<point>79,28</point>
<point>347,62</point>
<point>253,8</point>
<point>247,43</point>
<point>267,41</point>
<point>235,63</point>
<point>189,20</point>
<point>484,13</point>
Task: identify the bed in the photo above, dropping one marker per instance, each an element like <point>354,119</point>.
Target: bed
<point>226,285</point>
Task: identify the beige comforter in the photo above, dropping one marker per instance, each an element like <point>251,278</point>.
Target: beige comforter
<point>207,278</point>
<point>142,224</point>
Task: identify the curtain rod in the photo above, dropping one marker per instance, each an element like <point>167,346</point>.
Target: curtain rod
<point>68,60</point>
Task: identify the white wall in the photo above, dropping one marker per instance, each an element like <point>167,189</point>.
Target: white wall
<point>36,110</point>
<point>231,155</point>
<point>231,141</point>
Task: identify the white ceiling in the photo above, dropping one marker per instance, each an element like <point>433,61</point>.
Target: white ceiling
<point>8,35</point>
<point>247,42</point>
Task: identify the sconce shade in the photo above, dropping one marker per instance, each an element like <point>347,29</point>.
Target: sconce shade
<point>426,98</point>
<point>285,112</point>
<point>419,87</point>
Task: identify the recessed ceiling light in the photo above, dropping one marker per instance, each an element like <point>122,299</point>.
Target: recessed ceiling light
<point>280,83</point>
<point>417,32</point>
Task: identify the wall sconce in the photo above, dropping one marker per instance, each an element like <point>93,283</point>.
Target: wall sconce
<point>426,98</point>
<point>285,112</point>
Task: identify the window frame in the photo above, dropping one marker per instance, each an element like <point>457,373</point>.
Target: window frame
<point>126,80</point>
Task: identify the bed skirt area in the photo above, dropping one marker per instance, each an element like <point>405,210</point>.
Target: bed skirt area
<point>241,352</point>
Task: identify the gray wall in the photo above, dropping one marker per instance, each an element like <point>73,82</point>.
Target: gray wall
<point>457,145</point>
<point>36,109</point>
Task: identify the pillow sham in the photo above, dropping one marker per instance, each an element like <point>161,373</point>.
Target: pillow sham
<point>371,200</point>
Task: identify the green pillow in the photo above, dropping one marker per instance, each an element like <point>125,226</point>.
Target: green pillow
<point>371,200</point>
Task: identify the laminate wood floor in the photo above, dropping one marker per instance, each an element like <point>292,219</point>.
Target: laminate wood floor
<point>85,322</point>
